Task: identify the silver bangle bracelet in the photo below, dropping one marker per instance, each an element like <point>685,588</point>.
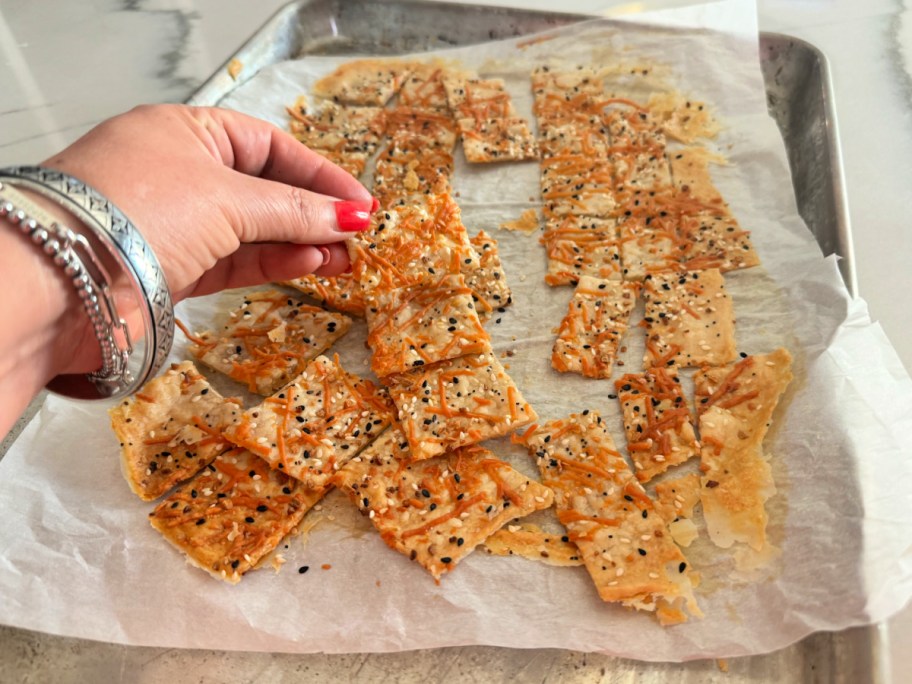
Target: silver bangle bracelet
<point>120,374</point>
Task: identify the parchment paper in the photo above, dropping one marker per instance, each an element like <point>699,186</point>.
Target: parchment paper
<point>78,558</point>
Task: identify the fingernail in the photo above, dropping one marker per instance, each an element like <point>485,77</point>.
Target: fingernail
<point>375,204</point>
<point>348,269</point>
<point>352,215</point>
<point>326,255</point>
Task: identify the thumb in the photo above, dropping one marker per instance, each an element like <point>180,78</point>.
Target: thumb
<point>261,210</point>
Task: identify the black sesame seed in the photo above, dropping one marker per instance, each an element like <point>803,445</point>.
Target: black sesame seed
<point>303,569</point>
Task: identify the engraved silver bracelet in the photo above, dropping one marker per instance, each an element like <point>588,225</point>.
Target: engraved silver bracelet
<point>121,374</point>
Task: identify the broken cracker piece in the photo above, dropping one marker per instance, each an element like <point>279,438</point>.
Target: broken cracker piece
<point>532,542</point>
<point>497,140</point>
<point>488,282</point>
<point>363,82</point>
<point>339,292</point>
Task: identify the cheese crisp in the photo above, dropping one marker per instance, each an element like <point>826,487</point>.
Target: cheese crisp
<point>403,173</point>
<point>232,514</point>
<point>170,430</point>
<point>591,332</point>
<point>496,140</point>
<point>657,421</point>
<point>339,128</point>
<point>735,404</point>
<point>488,282</point>
<point>456,403</point>
<point>437,511</point>
<point>315,424</point>
<point>363,82</point>
<point>407,245</point>
<point>423,324</point>
<point>622,539</point>
<point>268,339</point>
<point>689,320</point>
<point>532,542</point>
<point>339,292</point>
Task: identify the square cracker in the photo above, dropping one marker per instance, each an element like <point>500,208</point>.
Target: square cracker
<point>692,178</point>
<point>363,82</point>
<point>352,162</point>
<point>563,82</point>
<point>689,319</point>
<point>416,129</point>
<point>496,140</point>
<point>339,128</point>
<point>339,292</point>
<point>171,429</point>
<point>268,339</point>
<point>716,240</point>
<point>649,244</point>
<point>621,537</point>
<point>233,514</point>
<point>634,128</point>
<point>591,250</point>
<point>404,173</point>
<point>410,244</point>
<point>488,282</point>
<point>424,88</point>
<point>423,324</point>
<point>591,332</point>
<point>577,185</point>
<point>457,403</point>
<point>478,98</point>
<point>316,423</point>
<point>436,511</point>
<point>735,404</point>
<point>560,139</point>
<point>657,421</point>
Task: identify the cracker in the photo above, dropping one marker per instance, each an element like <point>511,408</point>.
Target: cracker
<point>233,514</point>
<point>424,88</point>
<point>352,162</point>
<point>339,292</point>
<point>488,282</point>
<point>634,128</point>
<point>363,82</point>
<point>171,429</point>
<point>689,320</point>
<point>677,498</point>
<point>456,403</point>
<point>402,174</point>
<point>407,245</point>
<point>564,82</point>
<point>716,240</point>
<point>559,138</point>
<point>735,404</point>
<point>591,332</point>
<point>621,537</point>
<point>683,119</point>
<point>411,128</point>
<point>268,339</point>
<point>657,421</point>
<point>423,324</point>
<point>530,541</point>
<point>478,99</point>
<point>316,423</point>
<point>637,170</point>
<point>691,176</point>
<point>578,185</point>
<point>649,244</point>
<point>496,140</point>
<point>437,511</point>
<point>339,128</point>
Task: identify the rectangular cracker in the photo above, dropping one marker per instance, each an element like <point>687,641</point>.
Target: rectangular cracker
<point>689,320</point>
<point>636,170</point>
<point>363,82</point>
<point>171,429</point>
<point>488,282</point>
<point>457,403</point>
<point>437,511</point>
<point>657,421</point>
<point>691,176</point>
<point>634,127</point>
<point>621,537</point>
<point>424,88</point>
<point>485,141</point>
<point>580,246</point>
<point>675,501</point>
<point>735,405</point>
<point>716,240</point>
<point>530,541</point>
<point>233,514</point>
<point>578,185</point>
<point>591,332</point>
<point>412,128</point>
<point>268,339</point>
<point>340,292</point>
<point>558,139</point>
<point>351,162</point>
<point>316,423</point>
<point>402,174</point>
<point>478,98</point>
<point>566,82</point>
<point>423,324</point>
<point>410,244</point>
<point>649,244</point>
<point>339,128</point>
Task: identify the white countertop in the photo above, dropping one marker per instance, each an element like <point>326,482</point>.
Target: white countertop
<point>65,66</point>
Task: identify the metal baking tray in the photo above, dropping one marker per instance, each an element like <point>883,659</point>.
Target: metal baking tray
<point>799,99</point>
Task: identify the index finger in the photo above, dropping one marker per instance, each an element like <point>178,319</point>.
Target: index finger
<point>258,148</point>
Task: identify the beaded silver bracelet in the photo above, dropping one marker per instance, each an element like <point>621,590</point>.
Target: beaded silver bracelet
<point>120,374</point>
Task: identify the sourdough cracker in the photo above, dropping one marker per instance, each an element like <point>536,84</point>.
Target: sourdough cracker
<point>339,129</point>
<point>496,140</point>
<point>437,511</point>
<point>488,282</point>
<point>339,292</point>
<point>363,82</point>
<point>530,541</point>
<point>171,429</point>
<point>234,513</point>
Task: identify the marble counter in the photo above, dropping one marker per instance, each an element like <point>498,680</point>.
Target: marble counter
<point>65,66</point>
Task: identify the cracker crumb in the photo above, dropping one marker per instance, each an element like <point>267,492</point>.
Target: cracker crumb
<point>234,68</point>
<point>526,223</point>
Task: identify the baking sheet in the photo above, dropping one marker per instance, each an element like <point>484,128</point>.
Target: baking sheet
<point>78,558</point>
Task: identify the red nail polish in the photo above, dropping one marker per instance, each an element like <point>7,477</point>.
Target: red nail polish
<point>352,215</point>
<point>375,205</point>
<point>326,255</point>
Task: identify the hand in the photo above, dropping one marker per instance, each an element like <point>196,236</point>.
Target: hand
<point>225,200</point>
